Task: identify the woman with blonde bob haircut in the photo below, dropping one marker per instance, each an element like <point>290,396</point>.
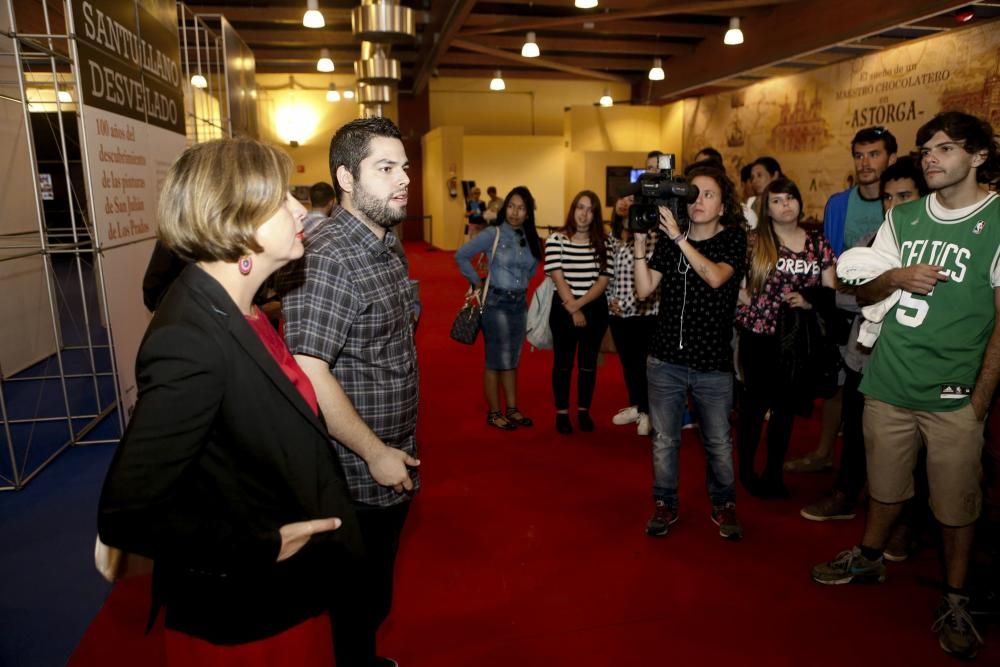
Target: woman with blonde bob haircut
<point>224,477</point>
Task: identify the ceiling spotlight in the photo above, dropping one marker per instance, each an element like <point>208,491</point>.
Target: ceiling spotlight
<point>734,35</point>
<point>64,97</point>
<point>348,94</point>
<point>965,15</point>
<point>332,95</point>
<point>585,4</point>
<point>324,64</point>
<point>313,18</point>
<point>606,100</point>
<point>497,82</point>
<point>198,81</point>
<point>530,48</point>
<point>656,71</point>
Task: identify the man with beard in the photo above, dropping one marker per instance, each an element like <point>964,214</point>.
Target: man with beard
<point>850,219</point>
<point>348,323</point>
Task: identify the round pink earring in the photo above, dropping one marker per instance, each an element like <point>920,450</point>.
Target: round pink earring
<point>246,265</point>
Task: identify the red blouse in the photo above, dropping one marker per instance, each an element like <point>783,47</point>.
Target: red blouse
<point>272,341</point>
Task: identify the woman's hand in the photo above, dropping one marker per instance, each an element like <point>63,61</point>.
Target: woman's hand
<point>615,306</point>
<point>578,319</point>
<point>668,223</point>
<point>639,239</point>
<point>796,300</point>
<point>572,306</point>
<point>296,535</point>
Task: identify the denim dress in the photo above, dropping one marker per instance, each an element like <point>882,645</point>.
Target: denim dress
<point>506,311</point>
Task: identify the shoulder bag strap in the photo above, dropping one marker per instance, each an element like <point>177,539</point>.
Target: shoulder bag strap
<point>489,273</point>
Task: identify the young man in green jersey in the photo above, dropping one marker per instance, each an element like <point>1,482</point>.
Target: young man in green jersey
<point>937,362</point>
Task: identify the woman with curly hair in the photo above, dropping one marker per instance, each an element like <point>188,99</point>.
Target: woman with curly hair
<point>698,269</point>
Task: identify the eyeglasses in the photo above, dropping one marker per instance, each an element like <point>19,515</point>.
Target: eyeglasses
<point>520,233</point>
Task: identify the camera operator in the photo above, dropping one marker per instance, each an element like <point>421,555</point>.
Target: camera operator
<point>700,270</point>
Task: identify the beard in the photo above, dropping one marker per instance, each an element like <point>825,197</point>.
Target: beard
<point>379,211</point>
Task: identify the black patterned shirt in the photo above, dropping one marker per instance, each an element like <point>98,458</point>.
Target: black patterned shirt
<point>695,324</point>
<point>348,302</point>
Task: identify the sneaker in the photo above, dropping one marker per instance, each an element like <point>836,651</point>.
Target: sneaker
<point>563,424</point>
<point>834,507</point>
<point>584,420</point>
<point>643,427</point>
<point>663,517</point>
<point>725,518</point>
<point>850,567</point>
<point>898,548</point>
<point>957,634</point>
<point>629,415</point>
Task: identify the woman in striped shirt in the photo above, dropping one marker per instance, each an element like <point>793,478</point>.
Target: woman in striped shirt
<point>576,260</point>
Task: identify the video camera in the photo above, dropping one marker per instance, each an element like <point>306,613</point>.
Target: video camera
<point>660,189</point>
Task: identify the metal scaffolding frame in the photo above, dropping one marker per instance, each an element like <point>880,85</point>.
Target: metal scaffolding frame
<point>45,63</point>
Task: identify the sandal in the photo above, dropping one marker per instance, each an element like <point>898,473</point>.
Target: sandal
<point>497,420</point>
<point>514,416</point>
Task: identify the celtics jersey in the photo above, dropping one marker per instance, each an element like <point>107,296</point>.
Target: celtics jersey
<point>930,349</point>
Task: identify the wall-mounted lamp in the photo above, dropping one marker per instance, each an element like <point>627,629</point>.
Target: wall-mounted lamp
<point>324,64</point>
<point>656,71</point>
<point>530,48</point>
<point>332,95</point>
<point>348,94</point>
<point>734,35</point>
<point>606,100</point>
<point>313,18</point>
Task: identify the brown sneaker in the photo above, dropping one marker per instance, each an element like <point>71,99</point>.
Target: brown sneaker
<point>834,507</point>
<point>663,517</point>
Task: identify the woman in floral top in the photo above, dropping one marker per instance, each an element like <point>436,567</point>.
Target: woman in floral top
<point>787,267</point>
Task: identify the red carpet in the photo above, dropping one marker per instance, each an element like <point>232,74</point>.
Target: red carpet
<point>527,548</point>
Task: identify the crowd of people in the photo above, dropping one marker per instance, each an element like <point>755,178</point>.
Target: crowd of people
<point>735,301</point>
<point>268,541</point>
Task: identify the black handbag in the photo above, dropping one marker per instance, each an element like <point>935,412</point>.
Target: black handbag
<point>469,320</point>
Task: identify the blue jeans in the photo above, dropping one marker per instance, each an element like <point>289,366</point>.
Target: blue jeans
<point>713,399</point>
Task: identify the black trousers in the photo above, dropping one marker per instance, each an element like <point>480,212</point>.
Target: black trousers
<point>584,343</point>
<point>762,391</point>
<point>631,336</point>
<point>366,599</point>
<point>853,472</point>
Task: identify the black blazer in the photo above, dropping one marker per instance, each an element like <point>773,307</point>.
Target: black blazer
<point>221,451</point>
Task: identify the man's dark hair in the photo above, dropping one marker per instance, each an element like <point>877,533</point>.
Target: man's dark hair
<point>713,156</point>
<point>491,191</point>
<point>745,172</point>
<point>352,144</point>
<point>655,154</point>
<point>770,164</point>
<point>905,167</point>
<point>321,194</point>
<point>974,134</point>
<point>870,135</point>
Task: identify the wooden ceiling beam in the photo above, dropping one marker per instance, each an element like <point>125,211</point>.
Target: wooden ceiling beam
<point>630,47</point>
<point>543,63</point>
<point>320,37</point>
<point>652,10</point>
<point>614,27</point>
<point>446,20</point>
<point>592,62</point>
<point>843,22</point>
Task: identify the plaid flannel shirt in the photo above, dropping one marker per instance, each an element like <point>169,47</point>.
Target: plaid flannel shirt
<point>349,302</point>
